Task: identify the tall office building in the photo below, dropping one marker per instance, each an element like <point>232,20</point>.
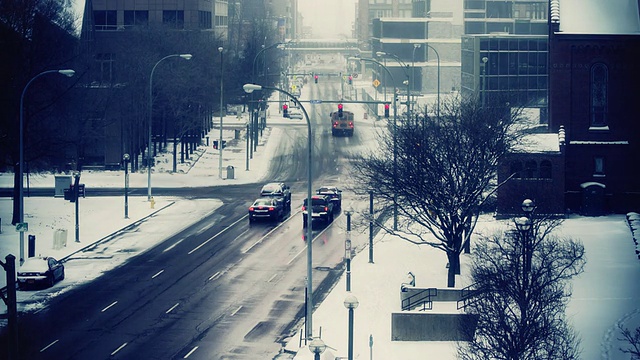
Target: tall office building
<point>504,52</point>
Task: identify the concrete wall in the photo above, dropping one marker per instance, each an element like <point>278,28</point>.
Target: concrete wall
<point>426,326</point>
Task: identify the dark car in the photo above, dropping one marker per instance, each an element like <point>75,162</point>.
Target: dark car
<point>279,191</point>
<point>334,193</point>
<point>322,209</point>
<point>40,271</point>
<point>267,208</point>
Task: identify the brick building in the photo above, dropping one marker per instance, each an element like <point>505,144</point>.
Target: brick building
<point>594,72</point>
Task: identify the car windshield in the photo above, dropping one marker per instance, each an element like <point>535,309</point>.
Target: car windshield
<point>327,191</point>
<point>34,264</point>
<point>263,202</point>
<point>316,202</point>
<point>271,189</point>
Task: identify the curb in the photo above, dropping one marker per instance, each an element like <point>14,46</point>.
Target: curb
<point>117,232</point>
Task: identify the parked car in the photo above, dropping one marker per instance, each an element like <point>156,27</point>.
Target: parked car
<point>267,208</point>
<point>40,271</point>
<point>322,209</point>
<point>334,193</point>
<point>279,191</point>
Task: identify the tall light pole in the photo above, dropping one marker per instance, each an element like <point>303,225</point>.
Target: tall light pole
<point>220,49</point>
<point>254,123</point>
<point>404,69</point>
<point>438,57</point>
<point>413,67</point>
<point>484,80</point>
<point>68,73</point>
<point>249,88</point>
<point>395,130</point>
<point>351,303</point>
<point>125,160</point>
<point>186,57</point>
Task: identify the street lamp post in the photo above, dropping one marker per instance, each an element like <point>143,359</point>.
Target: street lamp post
<point>484,80</point>
<point>186,57</point>
<point>125,159</point>
<point>249,88</point>
<point>68,73</point>
<point>317,347</point>
<point>413,67</point>
<point>404,69</point>
<point>347,248</point>
<point>438,57</point>
<point>254,127</point>
<point>220,49</point>
<point>395,130</point>
<point>351,303</point>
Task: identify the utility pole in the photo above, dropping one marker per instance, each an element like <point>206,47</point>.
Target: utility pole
<point>10,301</point>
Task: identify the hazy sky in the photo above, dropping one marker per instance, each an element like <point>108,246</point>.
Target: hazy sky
<point>328,18</point>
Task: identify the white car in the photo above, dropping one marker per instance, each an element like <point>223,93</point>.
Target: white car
<point>295,113</point>
<point>40,271</point>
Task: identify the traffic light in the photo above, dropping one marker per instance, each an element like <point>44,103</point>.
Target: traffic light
<point>215,144</point>
<point>386,110</point>
<point>350,79</point>
<point>340,110</point>
<point>285,110</point>
<point>315,78</point>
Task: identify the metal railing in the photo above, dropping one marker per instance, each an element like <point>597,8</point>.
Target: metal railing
<point>468,296</point>
<point>422,297</point>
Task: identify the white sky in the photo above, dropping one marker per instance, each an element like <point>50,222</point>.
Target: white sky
<point>599,16</point>
<point>329,19</point>
<point>607,293</point>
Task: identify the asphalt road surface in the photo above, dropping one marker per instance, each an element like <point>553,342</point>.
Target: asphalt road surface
<point>220,289</point>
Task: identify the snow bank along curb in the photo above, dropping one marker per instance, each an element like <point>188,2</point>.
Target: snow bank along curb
<point>633,220</point>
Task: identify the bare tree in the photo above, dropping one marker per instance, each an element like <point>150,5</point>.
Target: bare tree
<point>438,173</point>
<point>521,281</point>
<point>36,35</point>
<point>633,342</point>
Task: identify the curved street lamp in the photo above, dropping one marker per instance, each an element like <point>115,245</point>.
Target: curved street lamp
<point>183,56</point>
<point>250,88</point>
<point>221,49</point>
<point>68,73</point>
<point>395,147</point>
<point>404,69</point>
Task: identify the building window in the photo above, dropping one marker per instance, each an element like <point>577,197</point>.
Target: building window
<point>105,20</point>
<point>599,89</point>
<point>204,20</point>
<point>515,169</point>
<point>530,169</point>
<point>545,169</point>
<point>598,166</point>
<point>136,18</point>
<point>105,68</point>
<point>173,19</point>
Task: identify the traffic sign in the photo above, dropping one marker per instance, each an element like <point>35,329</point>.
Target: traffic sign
<point>22,227</point>
<point>376,82</point>
<point>315,101</point>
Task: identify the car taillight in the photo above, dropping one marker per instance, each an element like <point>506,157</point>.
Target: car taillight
<point>251,208</point>
<point>350,124</point>
<point>271,208</point>
<point>304,208</point>
<point>335,124</point>
<point>326,208</point>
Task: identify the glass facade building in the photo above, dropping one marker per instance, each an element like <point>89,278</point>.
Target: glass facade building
<point>506,67</point>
